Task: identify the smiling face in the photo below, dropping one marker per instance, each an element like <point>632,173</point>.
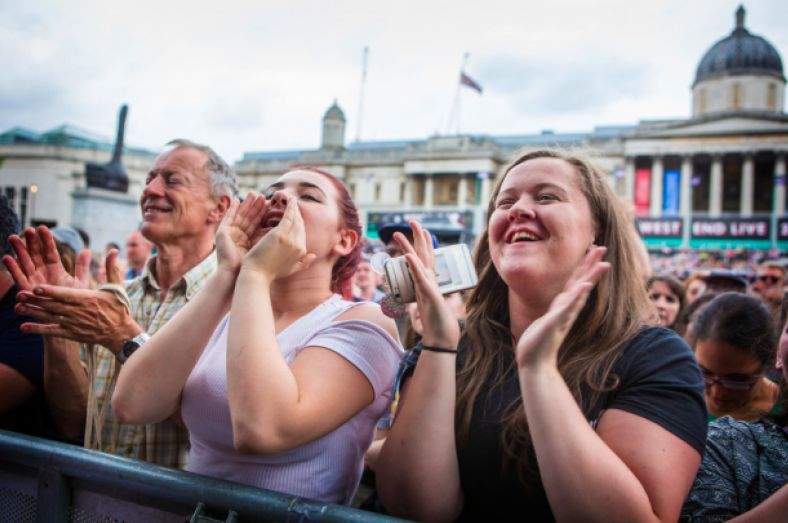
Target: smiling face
<point>665,301</point>
<point>317,199</point>
<point>177,202</point>
<point>541,225</point>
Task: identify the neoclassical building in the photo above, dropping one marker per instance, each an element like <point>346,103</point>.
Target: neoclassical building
<point>43,175</point>
<point>716,179</point>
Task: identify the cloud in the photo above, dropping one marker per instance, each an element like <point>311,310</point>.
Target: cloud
<point>249,75</point>
<point>549,87</point>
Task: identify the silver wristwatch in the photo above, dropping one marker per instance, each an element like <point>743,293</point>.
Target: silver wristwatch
<point>131,345</point>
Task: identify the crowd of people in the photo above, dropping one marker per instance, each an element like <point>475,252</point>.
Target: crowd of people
<point>252,339</point>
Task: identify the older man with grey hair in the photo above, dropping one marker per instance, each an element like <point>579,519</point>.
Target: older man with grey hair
<point>186,194</point>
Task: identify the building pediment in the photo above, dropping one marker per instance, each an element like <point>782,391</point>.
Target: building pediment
<point>726,124</point>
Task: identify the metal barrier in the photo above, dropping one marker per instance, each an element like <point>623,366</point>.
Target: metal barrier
<point>49,481</point>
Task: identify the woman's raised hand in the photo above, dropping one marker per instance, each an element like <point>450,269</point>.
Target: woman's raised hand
<point>440,325</point>
<point>282,250</point>
<point>539,344</point>
<point>239,231</point>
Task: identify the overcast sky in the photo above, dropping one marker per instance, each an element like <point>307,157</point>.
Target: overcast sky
<point>258,75</point>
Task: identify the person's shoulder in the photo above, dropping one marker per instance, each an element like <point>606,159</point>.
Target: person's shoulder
<point>649,336</point>
<point>744,432</point>
<point>656,354</point>
<point>372,313</point>
<point>653,344</point>
<point>728,439</point>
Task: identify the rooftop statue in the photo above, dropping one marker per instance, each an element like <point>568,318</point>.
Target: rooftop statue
<point>111,176</point>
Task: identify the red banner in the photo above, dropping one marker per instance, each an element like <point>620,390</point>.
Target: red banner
<point>642,191</point>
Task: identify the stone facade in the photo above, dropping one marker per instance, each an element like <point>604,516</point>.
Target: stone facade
<point>725,163</point>
<point>56,172</point>
<point>746,92</point>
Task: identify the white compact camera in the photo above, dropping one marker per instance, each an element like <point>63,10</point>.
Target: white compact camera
<point>453,269</point>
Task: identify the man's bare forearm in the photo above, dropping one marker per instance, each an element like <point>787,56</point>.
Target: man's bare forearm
<point>66,386</point>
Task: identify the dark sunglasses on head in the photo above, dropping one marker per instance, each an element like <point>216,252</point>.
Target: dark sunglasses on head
<point>766,278</point>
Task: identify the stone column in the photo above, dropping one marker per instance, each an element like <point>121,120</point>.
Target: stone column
<point>462,191</point>
<point>480,211</point>
<point>657,175</point>
<point>747,185</point>
<point>685,197</point>
<point>428,189</point>
<point>685,190</point>
<point>408,192</point>
<point>629,180</point>
<point>715,186</point>
<point>779,184</point>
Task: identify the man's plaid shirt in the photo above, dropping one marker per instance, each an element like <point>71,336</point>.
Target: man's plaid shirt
<point>162,443</point>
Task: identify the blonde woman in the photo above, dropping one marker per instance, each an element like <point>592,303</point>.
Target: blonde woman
<point>557,402</point>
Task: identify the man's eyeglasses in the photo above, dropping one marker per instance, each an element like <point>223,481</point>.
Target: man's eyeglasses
<point>732,383</point>
<point>767,278</point>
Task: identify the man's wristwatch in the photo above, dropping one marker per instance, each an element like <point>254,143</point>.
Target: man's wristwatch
<point>131,345</point>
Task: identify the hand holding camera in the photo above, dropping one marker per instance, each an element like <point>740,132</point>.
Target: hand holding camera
<point>422,282</point>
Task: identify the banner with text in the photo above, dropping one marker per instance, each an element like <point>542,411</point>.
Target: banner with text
<point>666,231</point>
<point>782,229</point>
<point>667,227</point>
<point>731,228</point>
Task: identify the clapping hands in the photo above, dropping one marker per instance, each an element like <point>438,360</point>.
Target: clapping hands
<point>541,341</point>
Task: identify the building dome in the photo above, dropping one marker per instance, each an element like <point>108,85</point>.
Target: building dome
<point>740,53</point>
<point>335,113</point>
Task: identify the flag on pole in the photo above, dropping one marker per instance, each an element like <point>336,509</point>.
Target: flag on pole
<point>467,81</point>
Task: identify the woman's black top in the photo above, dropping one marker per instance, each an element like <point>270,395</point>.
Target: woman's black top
<point>659,380</point>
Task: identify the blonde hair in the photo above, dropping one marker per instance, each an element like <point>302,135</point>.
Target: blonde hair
<point>614,312</point>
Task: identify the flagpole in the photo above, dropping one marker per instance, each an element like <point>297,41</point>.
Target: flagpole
<point>454,114</point>
<point>459,97</point>
<point>361,92</point>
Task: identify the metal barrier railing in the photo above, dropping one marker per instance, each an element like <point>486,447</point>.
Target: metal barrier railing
<point>49,481</point>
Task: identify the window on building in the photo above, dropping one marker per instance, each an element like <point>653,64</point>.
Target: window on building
<point>702,101</point>
<point>10,193</point>
<point>402,188</point>
<point>378,190</point>
<point>701,185</point>
<point>763,189</point>
<point>23,196</point>
<point>771,97</point>
<point>446,189</point>
<point>737,95</point>
<point>417,190</point>
<point>351,188</point>
<point>473,185</point>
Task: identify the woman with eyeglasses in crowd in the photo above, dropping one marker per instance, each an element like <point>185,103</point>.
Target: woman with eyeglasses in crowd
<point>744,473</point>
<point>558,401</point>
<point>734,346</point>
